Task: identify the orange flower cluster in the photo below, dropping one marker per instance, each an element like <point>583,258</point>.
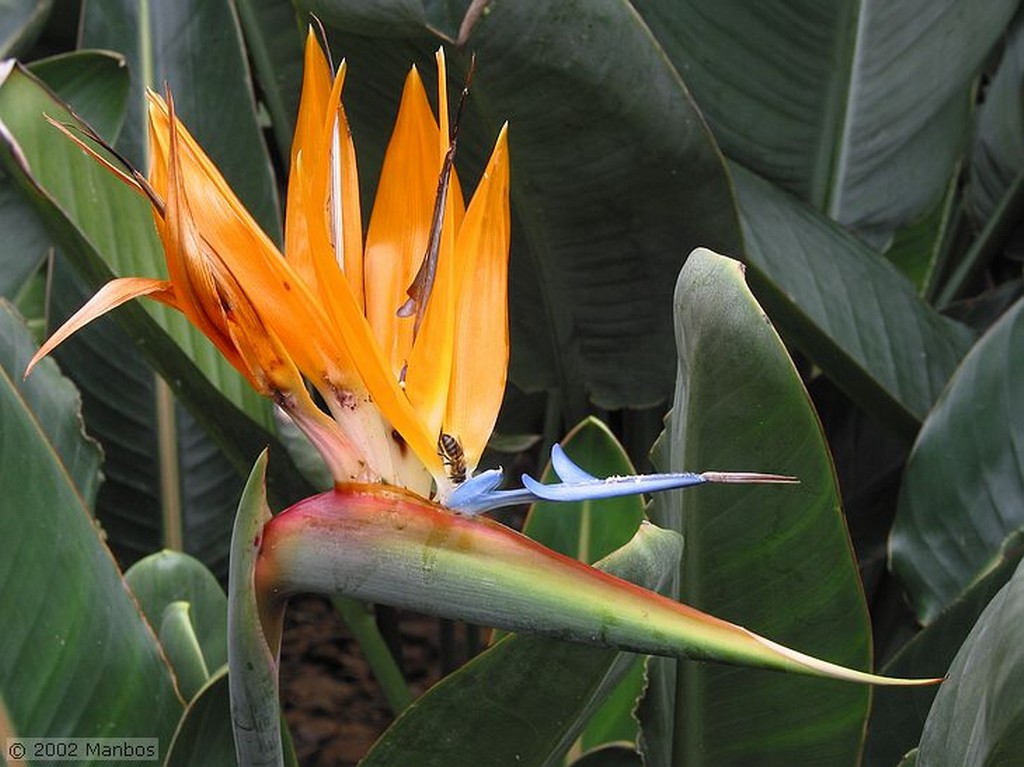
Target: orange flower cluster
<point>411,370</point>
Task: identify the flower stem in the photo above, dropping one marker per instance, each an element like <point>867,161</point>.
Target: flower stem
<point>361,620</point>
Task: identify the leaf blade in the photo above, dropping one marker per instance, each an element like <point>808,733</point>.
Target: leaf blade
<point>846,307</point>
<point>938,551</point>
<point>739,403</point>
<point>80,660</point>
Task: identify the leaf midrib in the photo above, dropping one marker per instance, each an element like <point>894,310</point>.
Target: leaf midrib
<point>833,149</point>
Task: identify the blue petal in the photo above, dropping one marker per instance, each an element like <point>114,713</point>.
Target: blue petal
<point>479,494</point>
<point>480,484</point>
<point>564,467</point>
<point>594,489</point>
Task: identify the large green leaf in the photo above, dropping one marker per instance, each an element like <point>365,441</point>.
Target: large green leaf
<point>897,719</point>
<point>962,498</point>
<point>858,106</point>
<point>275,47</point>
<point>776,559</point>
<point>20,22</point>
<point>614,178</point>
<point>997,151</point>
<point>56,405</point>
<point>977,719</point>
<point>523,701</point>
<point>25,242</point>
<point>195,48</point>
<point>388,18</point>
<point>204,733</point>
<point>604,217</point>
<point>853,313</point>
<point>170,576</point>
<point>76,656</point>
<point>94,83</point>
<point>921,249</point>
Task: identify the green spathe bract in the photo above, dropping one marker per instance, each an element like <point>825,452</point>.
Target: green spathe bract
<point>387,546</point>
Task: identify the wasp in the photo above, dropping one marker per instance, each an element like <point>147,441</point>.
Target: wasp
<point>454,458</point>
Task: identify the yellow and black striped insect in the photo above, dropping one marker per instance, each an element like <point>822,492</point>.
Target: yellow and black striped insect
<point>454,458</point>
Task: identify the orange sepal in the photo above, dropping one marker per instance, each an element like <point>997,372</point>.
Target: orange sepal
<point>316,90</point>
<point>283,301</point>
<point>110,296</point>
<point>480,362</point>
<point>400,222</point>
<point>430,359</point>
<point>365,362</point>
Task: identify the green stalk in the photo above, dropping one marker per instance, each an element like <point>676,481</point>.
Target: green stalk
<point>360,618</point>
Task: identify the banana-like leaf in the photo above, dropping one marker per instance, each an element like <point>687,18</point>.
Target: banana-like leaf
<point>77,658</point>
<point>920,250</point>
<point>56,405</point>
<point>178,639</point>
<point>613,182</point>
<point>204,733</point>
<point>897,720</point>
<point>997,151</point>
<point>962,499</point>
<point>195,48</point>
<point>167,577</point>
<point>977,719</point>
<point>275,49</point>
<point>857,106</point>
<point>25,243</point>
<point>777,559</point>
<point>20,22</point>
<point>852,312</point>
<point>94,83</point>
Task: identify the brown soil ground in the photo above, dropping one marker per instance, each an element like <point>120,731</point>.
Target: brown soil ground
<point>333,705</point>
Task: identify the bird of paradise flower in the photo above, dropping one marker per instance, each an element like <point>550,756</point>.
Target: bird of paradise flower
<point>328,311</point>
